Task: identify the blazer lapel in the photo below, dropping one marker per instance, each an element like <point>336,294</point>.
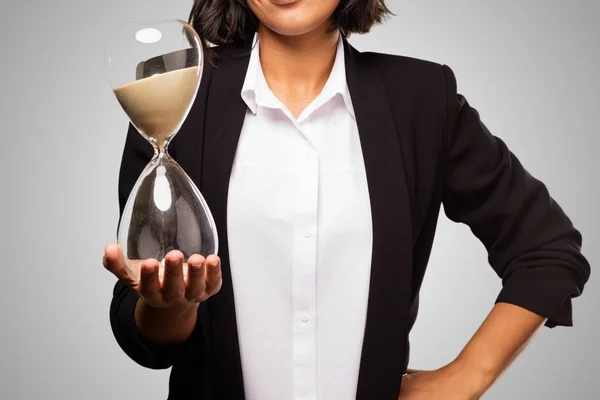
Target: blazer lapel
<point>225,116</point>
<point>384,348</point>
<point>208,159</point>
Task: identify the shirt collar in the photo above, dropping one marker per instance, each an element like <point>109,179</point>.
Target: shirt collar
<point>255,91</point>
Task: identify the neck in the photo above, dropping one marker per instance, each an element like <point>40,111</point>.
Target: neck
<point>297,66</point>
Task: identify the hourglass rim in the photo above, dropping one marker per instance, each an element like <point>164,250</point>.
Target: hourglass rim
<point>146,22</point>
<point>149,22</point>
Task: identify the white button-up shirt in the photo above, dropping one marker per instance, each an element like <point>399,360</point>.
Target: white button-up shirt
<point>300,239</point>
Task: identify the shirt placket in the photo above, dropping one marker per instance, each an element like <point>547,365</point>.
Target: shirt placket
<point>304,275</point>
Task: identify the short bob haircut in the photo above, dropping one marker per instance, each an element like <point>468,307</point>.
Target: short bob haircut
<point>231,21</point>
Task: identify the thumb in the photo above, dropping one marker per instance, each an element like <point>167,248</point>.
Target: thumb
<point>114,262</point>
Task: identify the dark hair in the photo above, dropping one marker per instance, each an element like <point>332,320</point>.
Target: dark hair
<point>232,21</point>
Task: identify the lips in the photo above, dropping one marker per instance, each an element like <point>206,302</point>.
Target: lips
<point>283,2</point>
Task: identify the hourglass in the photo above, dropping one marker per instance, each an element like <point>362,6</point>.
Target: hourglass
<point>154,69</point>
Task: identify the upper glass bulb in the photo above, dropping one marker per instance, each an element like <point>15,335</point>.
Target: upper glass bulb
<point>155,69</point>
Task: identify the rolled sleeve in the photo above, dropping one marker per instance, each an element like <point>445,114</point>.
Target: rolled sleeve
<point>532,244</point>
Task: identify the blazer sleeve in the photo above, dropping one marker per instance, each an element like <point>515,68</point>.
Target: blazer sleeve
<point>136,155</point>
<point>532,245</point>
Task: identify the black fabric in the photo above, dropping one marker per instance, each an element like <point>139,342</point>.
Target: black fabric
<point>424,147</point>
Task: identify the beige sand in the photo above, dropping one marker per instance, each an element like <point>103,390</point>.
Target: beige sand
<point>158,105</point>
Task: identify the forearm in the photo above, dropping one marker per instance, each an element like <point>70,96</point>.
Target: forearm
<point>504,334</point>
<point>165,325</point>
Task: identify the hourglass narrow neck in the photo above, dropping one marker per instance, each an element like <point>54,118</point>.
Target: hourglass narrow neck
<point>161,149</point>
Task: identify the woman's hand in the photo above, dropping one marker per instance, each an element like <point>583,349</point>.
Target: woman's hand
<point>166,310</point>
<point>447,383</point>
<point>174,290</point>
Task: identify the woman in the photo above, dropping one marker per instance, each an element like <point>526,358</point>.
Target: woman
<point>325,169</point>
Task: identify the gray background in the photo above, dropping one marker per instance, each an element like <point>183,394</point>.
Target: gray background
<point>530,67</point>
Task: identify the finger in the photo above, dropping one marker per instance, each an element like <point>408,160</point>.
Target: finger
<point>196,282</point>
<point>173,287</point>
<point>113,261</point>
<point>213,275</point>
<point>150,283</point>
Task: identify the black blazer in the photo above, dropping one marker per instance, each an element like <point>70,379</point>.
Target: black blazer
<point>423,146</point>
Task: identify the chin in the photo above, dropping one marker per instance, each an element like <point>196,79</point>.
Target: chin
<point>297,18</point>
<point>294,27</point>
<point>291,29</point>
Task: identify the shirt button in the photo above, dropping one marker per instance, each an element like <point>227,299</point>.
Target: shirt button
<point>307,235</point>
<point>305,317</point>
